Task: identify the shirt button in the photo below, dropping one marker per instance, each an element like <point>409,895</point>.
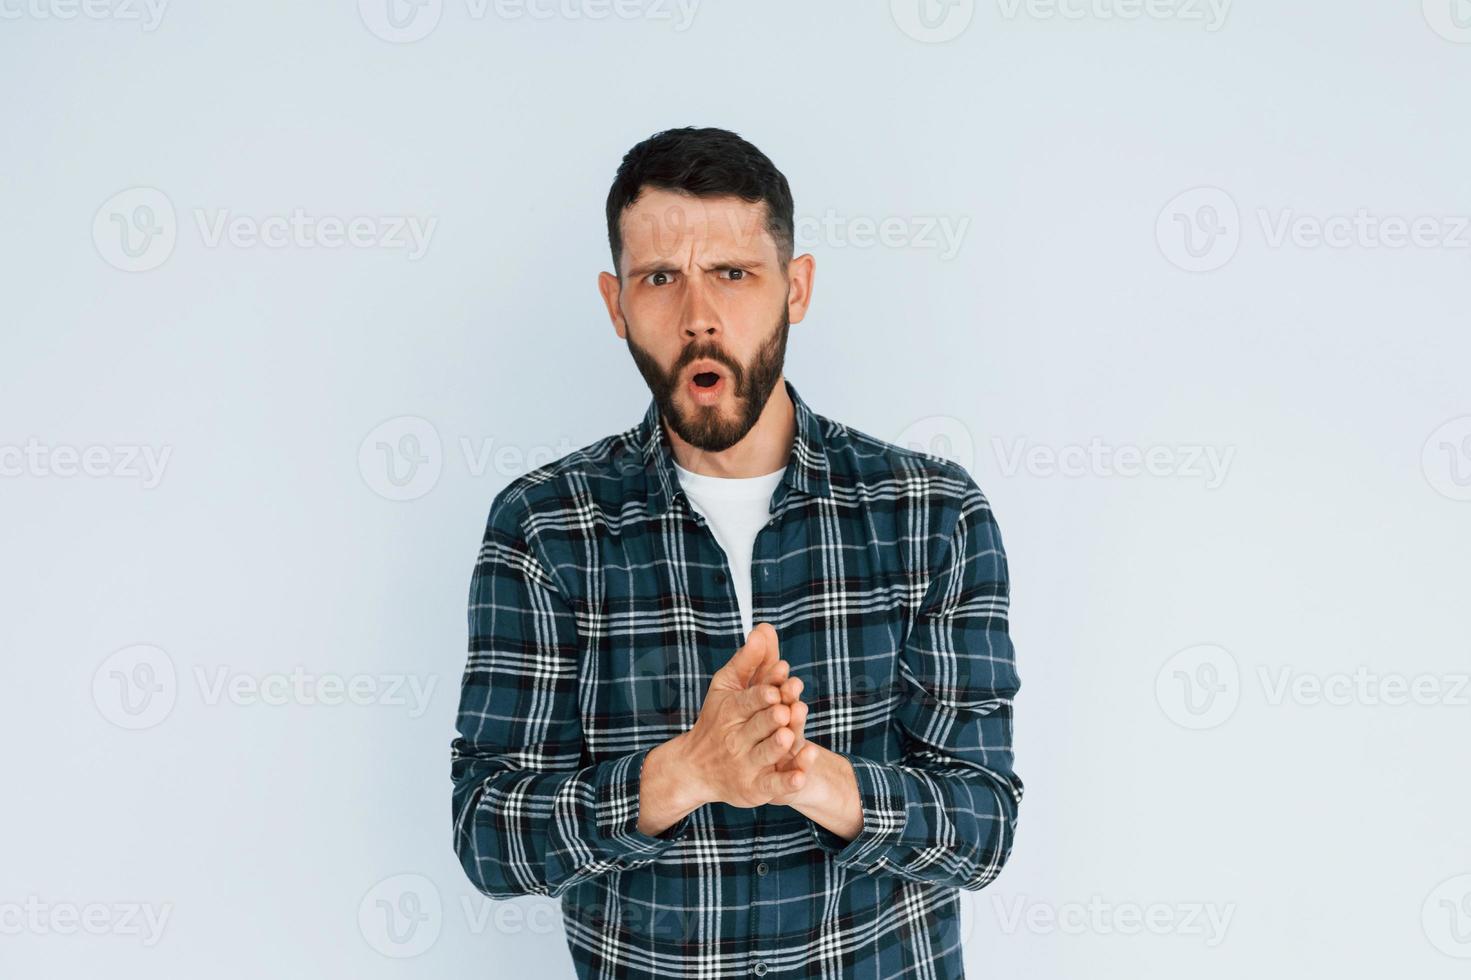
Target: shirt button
<point>762,868</point>
<point>719,578</point>
<point>759,969</point>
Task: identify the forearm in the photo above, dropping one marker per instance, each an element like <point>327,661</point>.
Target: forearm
<point>520,831</point>
<point>948,823</point>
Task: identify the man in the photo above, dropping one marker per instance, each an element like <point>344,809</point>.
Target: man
<point>711,796</point>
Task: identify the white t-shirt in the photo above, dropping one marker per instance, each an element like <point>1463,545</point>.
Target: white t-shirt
<point>736,509</point>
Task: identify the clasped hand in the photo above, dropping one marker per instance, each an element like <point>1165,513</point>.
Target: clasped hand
<point>747,747</point>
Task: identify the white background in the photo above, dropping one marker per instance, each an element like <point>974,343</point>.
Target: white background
<point>1186,814</point>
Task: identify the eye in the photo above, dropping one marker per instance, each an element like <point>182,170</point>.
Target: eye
<point>656,278</point>
<point>735,274</point>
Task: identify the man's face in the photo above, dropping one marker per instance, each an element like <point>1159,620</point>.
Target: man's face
<point>705,310</point>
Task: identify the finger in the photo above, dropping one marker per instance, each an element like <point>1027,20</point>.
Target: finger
<point>771,750</point>
<point>796,726</point>
<point>773,673</point>
<point>791,689</point>
<point>765,635</point>
<point>768,630</point>
<point>777,783</point>
<point>744,663</point>
<point>762,724</point>
<point>760,650</point>
<point>807,756</point>
<point>757,697</point>
<point>798,722</point>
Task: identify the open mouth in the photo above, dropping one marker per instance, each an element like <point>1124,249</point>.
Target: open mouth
<point>706,387</point>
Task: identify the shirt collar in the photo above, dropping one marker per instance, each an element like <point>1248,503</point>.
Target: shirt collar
<point>807,466</point>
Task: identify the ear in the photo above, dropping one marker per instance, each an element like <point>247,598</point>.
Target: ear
<point>611,289</point>
<point>800,274</point>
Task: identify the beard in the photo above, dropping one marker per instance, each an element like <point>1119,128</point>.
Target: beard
<point>708,427</point>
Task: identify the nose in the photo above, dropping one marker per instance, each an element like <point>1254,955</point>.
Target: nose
<point>700,318</point>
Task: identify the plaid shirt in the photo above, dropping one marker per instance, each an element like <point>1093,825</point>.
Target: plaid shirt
<point>600,606</point>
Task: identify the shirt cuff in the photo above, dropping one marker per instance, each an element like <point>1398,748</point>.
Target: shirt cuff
<point>885,813</point>
<point>616,787</point>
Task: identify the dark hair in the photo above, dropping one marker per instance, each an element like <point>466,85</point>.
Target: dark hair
<point>704,162</point>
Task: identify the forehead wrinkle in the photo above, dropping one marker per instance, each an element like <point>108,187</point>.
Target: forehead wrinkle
<point>680,232</point>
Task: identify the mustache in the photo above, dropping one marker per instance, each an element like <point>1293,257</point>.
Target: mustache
<point>692,354</point>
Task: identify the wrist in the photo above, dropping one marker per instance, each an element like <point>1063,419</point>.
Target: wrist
<point>684,791</point>
<point>814,791</point>
<point>821,795</point>
<point>834,801</point>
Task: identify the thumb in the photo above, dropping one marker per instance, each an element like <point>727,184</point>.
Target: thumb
<point>759,649</point>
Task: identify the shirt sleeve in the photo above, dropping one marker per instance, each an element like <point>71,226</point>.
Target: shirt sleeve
<point>529,817</point>
<point>947,811</point>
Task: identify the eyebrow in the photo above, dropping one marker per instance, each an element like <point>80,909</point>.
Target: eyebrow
<point>662,265</point>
